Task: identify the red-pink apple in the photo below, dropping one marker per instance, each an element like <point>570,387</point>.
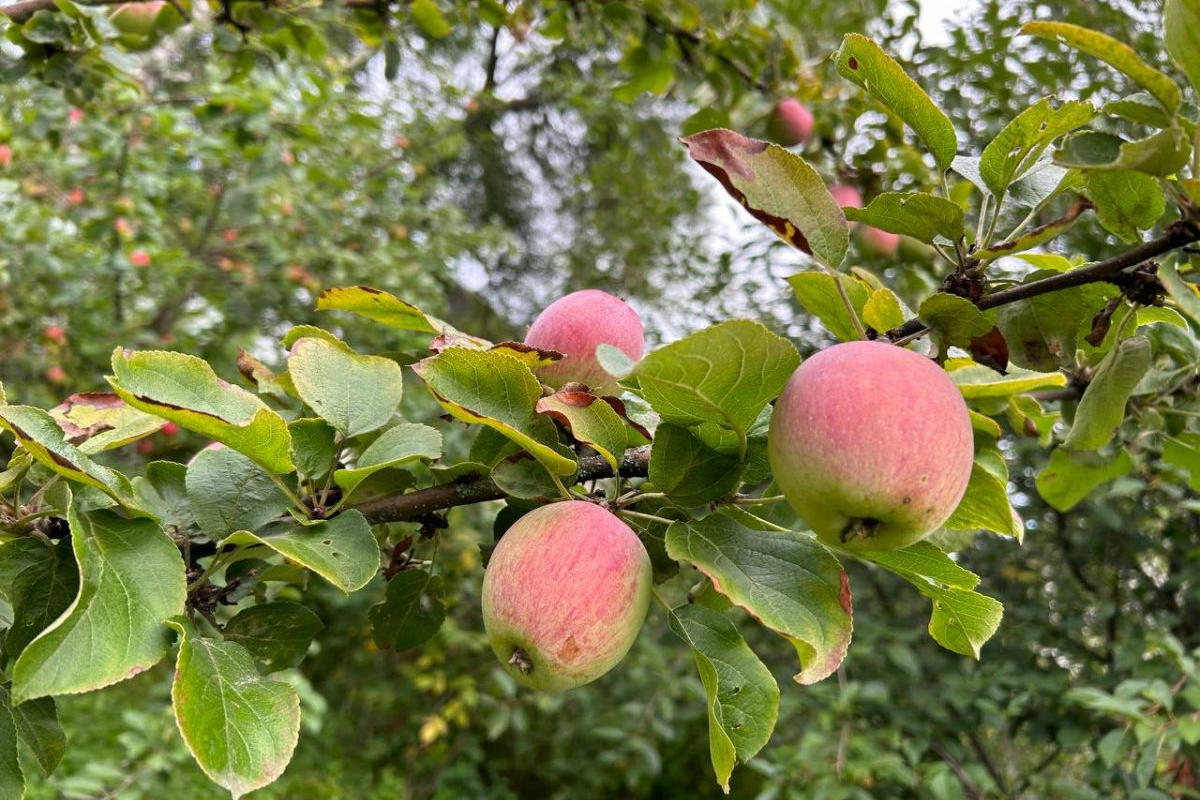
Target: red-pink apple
<point>872,445</point>
<point>876,243</point>
<point>565,595</point>
<point>75,116</point>
<point>139,258</point>
<point>56,334</point>
<point>846,195</point>
<point>574,325</point>
<point>5,156</point>
<point>793,122</point>
<point>56,374</point>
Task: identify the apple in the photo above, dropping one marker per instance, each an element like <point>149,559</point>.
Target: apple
<point>75,116</point>
<point>56,334</point>
<point>5,156</point>
<point>872,445</point>
<point>574,325</point>
<point>75,196</point>
<point>565,594</point>
<point>56,374</point>
<point>139,258</point>
<point>170,429</point>
<point>792,122</point>
<point>876,243</point>
<point>846,195</point>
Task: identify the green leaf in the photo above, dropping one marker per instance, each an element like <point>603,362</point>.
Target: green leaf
<point>916,214</point>
<point>239,726</point>
<point>314,447</point>
<point>378,305</point>
<point>430,18</point>
<point>396,447</point>
<point>1116,54</point>
<point>1021,143</point>
<point>341,550</point>
<point>1186,295</point>
<point>689,471</point>
<point>723,375</point>
<point>275,634</point>
<point>1043,181</point>
<point>1181,31</point>
<point>1041,331</point>
<point>1035,237</point>
<point>954,320</point>
<point>778,188</point>
<point>977,382</point>
<point>985,506</point>
<point>1140,108</point>
<point>963,620</point>
<point>861,61</point>
<point>743,698</point>
<point>494,389</point>
<point>163,493</point>
<point>591,421</point>
<point>131,580</point>
<point>40,731</point>
<point>412,611</point>
<point>97,422</point>
<point>41,436</point>
<point>817,292</point>
<point>521,476</point>
<point>1102,408</point>
<point>355,394</point>
<point>883,310</point>
<point>1069,477</point>
<point>39,581</point>
<point>228,492</point>
<point>789,582</point>
<point>1183,451</point>
<point>1028,418</point>
<point>12,779</point>
<point>186,391</point>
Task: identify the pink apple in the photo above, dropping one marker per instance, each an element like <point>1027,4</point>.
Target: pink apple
<point>56,334</point>
<point>139,258</point>
<point>6,156</point>
<point>565,595</point>
<point>794,122</point>
<point>56,374</point>
<point>574,325</point>
<point>872,445</point>
<point>846,195</point>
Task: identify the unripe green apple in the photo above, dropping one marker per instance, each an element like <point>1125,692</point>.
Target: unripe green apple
<point>574,325</point>
<point>565,595</point>
<point>137,18</point>
<point>791,123</point>
<point>872,445</point>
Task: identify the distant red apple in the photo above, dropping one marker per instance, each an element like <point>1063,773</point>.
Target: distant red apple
<point>794,122</point>
<point>170,429</point>
<point>75,196</point>
<point>403,141</point>
<point>230,235</point>
<point>145,447</point>
<point>122,226</point>
<point>139,258</point>
<point>75,116</point>
<point>56,374</point>
<point>5,155</point>
<point>56,334</point>
<point>846,195</point>
<point>876,243</point>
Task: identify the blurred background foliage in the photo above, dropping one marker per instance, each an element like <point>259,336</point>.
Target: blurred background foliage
<point>479,160</point>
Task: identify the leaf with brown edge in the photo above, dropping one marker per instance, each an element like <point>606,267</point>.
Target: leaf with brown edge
<point>384,307</point>
<point>778,188</point>
<point>618,405</point>
<point>530,356</point>
<point>99,421</point>
<point>789,582</point>
<point>991,350</point>
<point>591,421</point>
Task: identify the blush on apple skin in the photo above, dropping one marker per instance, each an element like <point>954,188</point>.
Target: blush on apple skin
<point>794,122</point>
<point>872,445</point>
<point>565,594</point>
<point>574,325</point>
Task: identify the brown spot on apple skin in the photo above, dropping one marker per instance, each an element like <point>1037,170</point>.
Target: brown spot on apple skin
<point>569,650</point>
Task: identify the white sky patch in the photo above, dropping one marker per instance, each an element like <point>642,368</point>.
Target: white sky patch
<point>934,14</point>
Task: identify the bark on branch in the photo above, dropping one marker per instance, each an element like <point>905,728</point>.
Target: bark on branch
<point>1178,234</point>
<point>414,505</point>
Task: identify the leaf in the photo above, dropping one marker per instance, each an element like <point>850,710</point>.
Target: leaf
<point>40,731</point>
<point>986,506</point>
<point>131,579</point>
<point>314,447</point>
<point>1140,108</point>
<point>1043,182</point>
<point>380,306</point>
<point>163,493</point>
<point>1069,477</point>
<point>1041,331</point>
<point>96,421</point>
<point>228,492</point>
<point>861,61</point>
<point>186,391</point>
<point>12,779</point>
<point>275,634</point>
<point>411,613</point>
<point>1017,148</point>
<point>521,476</point>
<point>1186,295</point>
<point>1184,452</point>
<point>41,436</point>
<point>39,581</point>
<point>978,382</point>
<point>916,214</point>
<point>496,390</point>
<point>817,292</point>
<point>1181,30</point>
<point>723,375</point>
<point>430,18</point>
<point>355,394</point>
<point>239,726</point>
<point>396,447</point>
<point>1116,54</point>
<point>963,620</point>
<point>743,698</point>
<point>883,310</point>
<point>954,320</point>
<point>341,550</point>
<point>1035,237</point>
<point>591,421</point>
<point>778,188</point>
<point>968,167</point>
<point>689,471</point>
<point>787,581</point>
<point>1102,407</point>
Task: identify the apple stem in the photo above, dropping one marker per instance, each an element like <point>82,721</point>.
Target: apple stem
<point>520,659</point>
